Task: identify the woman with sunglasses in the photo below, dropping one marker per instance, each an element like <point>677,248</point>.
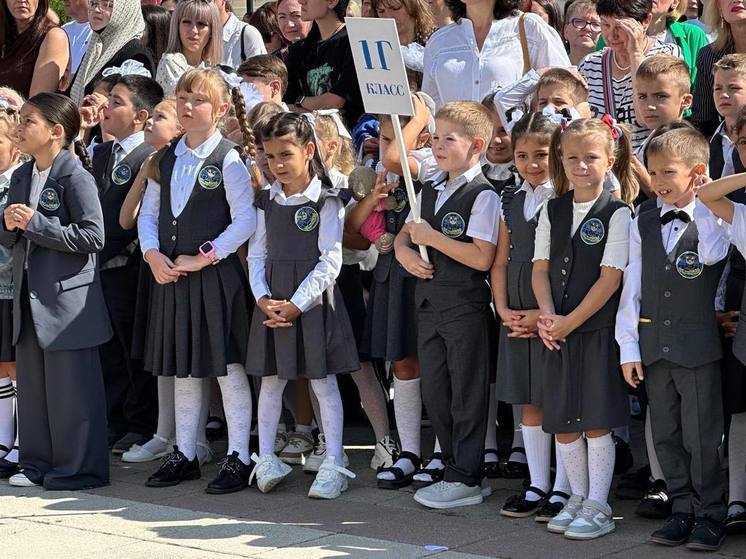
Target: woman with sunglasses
<point>581,30</point>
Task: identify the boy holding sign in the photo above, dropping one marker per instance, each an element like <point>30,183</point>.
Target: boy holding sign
<point>459,211</point>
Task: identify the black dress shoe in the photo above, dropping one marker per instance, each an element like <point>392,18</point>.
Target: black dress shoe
<point>656,503</point>
<point>675,531</point>
<point>491,470</point>
<point>550,509</point>
<point>175,469</point>
<point>8,469</point>
<point>233,476</point>
<point>624,460</point>
<point>512,469</point>
<point>707,535</point>
<point>736,523</point>
<point>518,506</point>
<point>126,442</point>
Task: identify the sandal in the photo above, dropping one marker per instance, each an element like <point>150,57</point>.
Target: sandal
<point>517,506</point>
<point>428,476</point>
<point>491,470</point>
<point>400,478</point>
<point>736,523</point>
<point>515,470</point>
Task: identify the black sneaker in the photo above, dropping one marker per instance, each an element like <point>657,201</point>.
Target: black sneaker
<point>656,503</point>
<point>175,469</point>
<point>550,510</point>
<point>707,535</point>
<point>675,531</point>
<point>624,460</point>
<point>8,469</point>
<point>233,476</point>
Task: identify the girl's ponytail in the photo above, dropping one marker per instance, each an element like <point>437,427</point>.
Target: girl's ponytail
<point>628,181</point>
<point>82,153</point>
<point>556,169</point>
<point>249,140</point>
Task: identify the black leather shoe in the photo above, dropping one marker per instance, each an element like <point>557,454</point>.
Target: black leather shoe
<point>491,470</point>
<point>624,460</point>
<point>550,509</point>
<point>515,470</point>
<point>736,523</point>
<point>675,531</point>
<point>517,506</point>
<point>175,469</point>
<point>708,535</point>
<point>8,469</point>
<point>233,476</point>
<point>656,503</point>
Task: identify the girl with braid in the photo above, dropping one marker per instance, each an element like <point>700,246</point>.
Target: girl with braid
<point>192,222</point>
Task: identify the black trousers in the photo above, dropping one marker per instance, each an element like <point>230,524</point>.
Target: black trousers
<point>454,354</point>
<point>131,392</point>
<point>686,415</point>
<point>61,412</point>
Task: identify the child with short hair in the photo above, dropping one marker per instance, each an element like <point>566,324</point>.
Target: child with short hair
<point>729,90</point>
<point>459,210</point>
<point>497,162</point>
<point>666,322</point>
<point>268,74</point>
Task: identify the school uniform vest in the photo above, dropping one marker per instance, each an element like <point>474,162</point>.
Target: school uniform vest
<point>647,205</point>
<point>121,248</point>
<point>206,214</point>
<point>520,259</point>
<point>453,283</point>
<point>499,184</point>
<point>717,162</point>
<point>736,279</point>
<point>574,262</point>
<point>395,220</point>
<point>677,298</point>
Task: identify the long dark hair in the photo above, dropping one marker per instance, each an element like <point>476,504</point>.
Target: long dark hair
<point>157,23</point>
<point>501,9</point>
<point>9,31</point>
<point>340,10</point>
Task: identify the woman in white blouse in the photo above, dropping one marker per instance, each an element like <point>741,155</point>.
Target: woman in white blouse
<point>481,51</point>
<point>195,37</point>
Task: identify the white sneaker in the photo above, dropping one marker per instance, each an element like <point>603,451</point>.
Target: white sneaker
<point>593,521</point>
<point>313,461</point>
<point>448,495</point>
<point>137,453</point>
<point>383,456</point>
<point>331,481</point>
<point>269,471</point>
<point>486,488</point>
<point>204,453</point>
<point>20,480</point>
<point>296,447</point>
<point>559,523</point>
<point>281,441</point>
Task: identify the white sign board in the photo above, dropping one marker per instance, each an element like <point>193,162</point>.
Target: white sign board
<point>379,65</point>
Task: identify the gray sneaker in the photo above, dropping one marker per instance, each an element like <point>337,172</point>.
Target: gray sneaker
<point>559,523</point>
<point>593,521</point>
<point>448,495</point>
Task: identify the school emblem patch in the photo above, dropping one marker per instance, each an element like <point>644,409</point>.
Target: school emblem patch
<point>210,177</point>
<point>688,265</point>
<point>592,231</point>
<point>306,218</point>
<point>49,199</point>
<point>400,195</point>
<point>453,225</point>
<point>121,174</point>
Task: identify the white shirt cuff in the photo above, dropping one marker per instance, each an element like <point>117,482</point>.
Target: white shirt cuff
<point>630,352</point>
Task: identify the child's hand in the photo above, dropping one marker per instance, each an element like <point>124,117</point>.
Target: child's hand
<point>381,189</point>
<point>421,233</point>
<point>161,266</point>
<point>92,110</point>
<point>9,218</point>
<point>184,263</point>
<point>633,373</point>
<point>559,326</point>
<point>523,324</point>
<point>421,112</point>
<point>285,310</point>
<point>412,263</point>
<point>728,322</point>
<point>274,320</point>
<point>20,214</point>
<point>699,181</point>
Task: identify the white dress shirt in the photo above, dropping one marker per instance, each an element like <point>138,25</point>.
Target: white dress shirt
<point>331,228</point>
<point>496,171</point>
<point>238,194</point>
<point>126,146</point>
<point>712,242</point>
<point>78,35</point>
<point>728,147</point>
<point>617,238</point>
<point>736,231</point>
<point>515,94</point>
<point>455,69</point>
<point>235,31</point>
<point>483,220</point>
<point>536,198</point>
<point>5,178</point>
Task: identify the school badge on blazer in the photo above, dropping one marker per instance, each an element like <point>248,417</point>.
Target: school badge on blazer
<point>592,231</point>
<point>452,225</point>
<point>121,174</point>
<point>210,177</point>
<point>688,265</point>
<point>306,218</point>
<point>49,200</point>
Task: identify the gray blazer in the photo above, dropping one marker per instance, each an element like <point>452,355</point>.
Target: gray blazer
<point>65,233</point>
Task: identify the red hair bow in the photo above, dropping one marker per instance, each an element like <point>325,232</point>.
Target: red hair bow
<point>616,132</point>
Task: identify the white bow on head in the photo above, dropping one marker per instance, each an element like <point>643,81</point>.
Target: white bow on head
<point>232,80</point>
<point>334,113</point>
<point>251,95</point>
<point>515,116</point>
<point>414,56</point>
<point>128,68</point>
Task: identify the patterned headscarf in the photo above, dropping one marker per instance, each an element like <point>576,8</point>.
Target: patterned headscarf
<point>126,24</point>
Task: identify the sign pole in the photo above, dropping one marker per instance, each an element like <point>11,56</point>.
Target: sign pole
<point>411,194</point>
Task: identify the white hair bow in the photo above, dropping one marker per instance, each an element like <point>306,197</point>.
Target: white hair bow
<point>334,113</point>
<point>515,116</point>
<point>251,95</point>
<point>414,56</point>
<point>232,80</point>
<point>128,68</point>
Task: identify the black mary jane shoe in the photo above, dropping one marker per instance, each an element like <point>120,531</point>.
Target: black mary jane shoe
<point>517,506</point>
<point>675,531</point>
<point>491,470</point>
<point>434,475</point>
<point>550,509</point>
<point>656,503</point>
<point>708,535</point>
<point>515,470</point>
<point>174,469</point>
<point>400,478</point>
<point>8,469</point>
<point>736,523</point>
<point>233,476</point>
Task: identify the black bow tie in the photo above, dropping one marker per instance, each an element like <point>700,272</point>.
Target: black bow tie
<point>668,217</point>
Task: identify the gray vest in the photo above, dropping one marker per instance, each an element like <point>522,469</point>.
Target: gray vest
<point>678,293</point>
<point>453,283</point>
<point>520,261</point>
<point>575,262</point>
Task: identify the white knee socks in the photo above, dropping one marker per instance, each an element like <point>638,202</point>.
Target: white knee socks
<point>236,393</point>
<point>188,394</point>
<point>490,439</point>
<point>517,435</point>
<point>268,413</point>
<point>538,452</point>
<point>575,458</point>
<point>332,415</point>
<point>737,461</point>
<point>371,396</point>
<point>656,472</point>
<point>601,457</point>
<point>166,428</point>
<point>7,417</point>
<point>561,483</point>
<point>408,412</point>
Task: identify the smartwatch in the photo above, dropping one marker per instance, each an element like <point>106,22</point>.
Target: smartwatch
<point>208,250</point>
